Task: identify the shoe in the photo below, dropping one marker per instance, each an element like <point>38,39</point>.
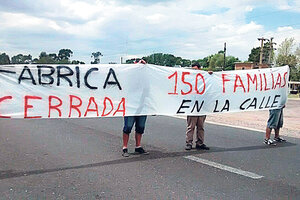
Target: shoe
<point>125,153</point>
<point>269,142</point>
<point>202,146</point>
<point>279,139</point>
<point>188,147</point>
<point>140,150</point>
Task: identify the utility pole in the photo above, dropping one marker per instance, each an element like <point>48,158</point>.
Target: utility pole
<point>224,66</point>
<point>271,49</point>
<point>261,49</point>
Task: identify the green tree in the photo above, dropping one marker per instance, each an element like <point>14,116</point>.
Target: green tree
<point>4,59</point>
<point>64,54</point>
<point>297,53</point>
<point>170,60</point>
<point>77,62</point>
<point>286,47</point>
<point>216,62</point>
<point>35,60</point>
<point>286,56</point>
<point>21,59</point>
<point>43,54</point>
<point>54,56</point>
<point>63,57</point>
<point>44,58</point>
<point>290,60</point>
<point>130,61</point>
<point>165,60</point>
<point>205,61</point>
<point>96,56</point>
<point>230,62</point>
<point>186,63</point>
<point>254,56</point>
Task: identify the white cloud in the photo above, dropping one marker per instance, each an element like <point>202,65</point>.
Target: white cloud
<point>248,8</point>
<point>156,18</point>
<point>284,28</point>
<point>81,9</point>
<point>115,28</point>
<point>287,32</point>
<point>251,27</point>
<point>19,20</point>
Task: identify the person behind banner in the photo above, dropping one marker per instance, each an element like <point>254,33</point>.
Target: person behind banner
<point>139,122</point>
<point>198,123</point>
<point>275,122</point>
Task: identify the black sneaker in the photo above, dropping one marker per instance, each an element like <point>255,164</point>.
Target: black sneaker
<point>188,147</point>
<point>269,142</point>
<point>279,139</point>
<point>140,150</point>
<point>202,146</point>
<point>125,153</point>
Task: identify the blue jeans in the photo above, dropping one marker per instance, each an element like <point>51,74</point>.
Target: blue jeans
<point>275,119</point>
<point>139,121</point>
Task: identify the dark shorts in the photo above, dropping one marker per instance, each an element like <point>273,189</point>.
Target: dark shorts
<point>275,119</point>
<point>139,121</point>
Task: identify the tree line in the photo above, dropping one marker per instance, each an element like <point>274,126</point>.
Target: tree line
<point>214,62</point>
<point>63,57</point>
<point>286,55</point>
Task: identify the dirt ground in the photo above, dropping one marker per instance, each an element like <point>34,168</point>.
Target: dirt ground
<point>258,119</point>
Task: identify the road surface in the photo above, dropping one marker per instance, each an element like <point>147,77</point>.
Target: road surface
<point>81,159</point>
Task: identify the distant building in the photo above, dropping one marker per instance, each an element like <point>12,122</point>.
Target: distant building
<point>294,87</point>
<point>249,65</point>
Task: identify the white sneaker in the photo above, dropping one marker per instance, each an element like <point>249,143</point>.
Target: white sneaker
<point>269,142</point>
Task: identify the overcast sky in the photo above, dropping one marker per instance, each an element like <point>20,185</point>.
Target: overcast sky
<point>135,28</point>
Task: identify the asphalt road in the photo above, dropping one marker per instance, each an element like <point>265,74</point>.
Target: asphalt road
<point>81,159</point>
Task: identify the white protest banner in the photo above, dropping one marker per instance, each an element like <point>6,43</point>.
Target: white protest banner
<point>72,91</point>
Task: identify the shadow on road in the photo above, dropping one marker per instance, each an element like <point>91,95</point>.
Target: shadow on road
<point>153,155</point>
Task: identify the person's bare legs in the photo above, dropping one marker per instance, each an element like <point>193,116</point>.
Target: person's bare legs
<point>138,139</point>
<point>125,140</point>
<point>276,133</point>
<point>277,138</point>
<point>268,141</point>
<point>125,143</point>
<point>268,133</point>
<point>138,148</point>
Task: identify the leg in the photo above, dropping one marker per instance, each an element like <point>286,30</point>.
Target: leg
<point>125,140</point>
<point>277,133</point>
<point>191,123</point>
<point>139,130</point>
<point>270,125</point>
<point>200,133</point>
<point>140,122</point>
<point>277,138</point>
<point>138,139</point>
<point>267,140</point>
<point>268,133</point>
<point>128,124</point>
<point>200,130</point>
